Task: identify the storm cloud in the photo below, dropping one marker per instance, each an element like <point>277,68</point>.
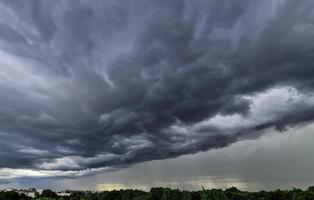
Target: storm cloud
<point>107,84</point>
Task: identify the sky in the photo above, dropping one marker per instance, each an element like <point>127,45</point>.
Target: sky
<point>141,93</point>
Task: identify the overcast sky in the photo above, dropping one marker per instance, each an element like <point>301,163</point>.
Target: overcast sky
<point>141,93</point>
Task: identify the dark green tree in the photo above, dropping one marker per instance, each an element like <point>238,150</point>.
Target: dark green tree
<point>49,194</point>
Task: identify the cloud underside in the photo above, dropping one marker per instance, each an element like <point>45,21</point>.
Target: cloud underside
<point>97,85</point>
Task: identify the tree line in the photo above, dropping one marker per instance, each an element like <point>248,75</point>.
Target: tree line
<point>170,194</point>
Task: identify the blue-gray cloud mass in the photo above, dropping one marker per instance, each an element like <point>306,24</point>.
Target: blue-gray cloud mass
<point>96,84</point>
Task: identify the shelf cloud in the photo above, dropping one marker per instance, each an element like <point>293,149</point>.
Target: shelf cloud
<point>96,85</point>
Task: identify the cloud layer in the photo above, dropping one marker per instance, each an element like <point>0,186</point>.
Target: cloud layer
<point>108,84</point>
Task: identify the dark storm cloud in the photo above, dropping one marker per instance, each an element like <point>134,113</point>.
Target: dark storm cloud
<point>96,84</point>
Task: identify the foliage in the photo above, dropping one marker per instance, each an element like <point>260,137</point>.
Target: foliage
<point>48,194</point>
<point>170,194</point>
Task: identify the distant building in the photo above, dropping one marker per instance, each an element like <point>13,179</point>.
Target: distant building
<point>63,194</point>
<point>40,191</point>
<point>31,194</point>
<point>27,193</point>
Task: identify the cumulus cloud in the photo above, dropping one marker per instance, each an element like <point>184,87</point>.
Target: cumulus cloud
<point>87,85</point>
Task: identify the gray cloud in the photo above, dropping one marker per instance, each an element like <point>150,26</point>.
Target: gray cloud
<point>94,84</point>
<point>271,162</point>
